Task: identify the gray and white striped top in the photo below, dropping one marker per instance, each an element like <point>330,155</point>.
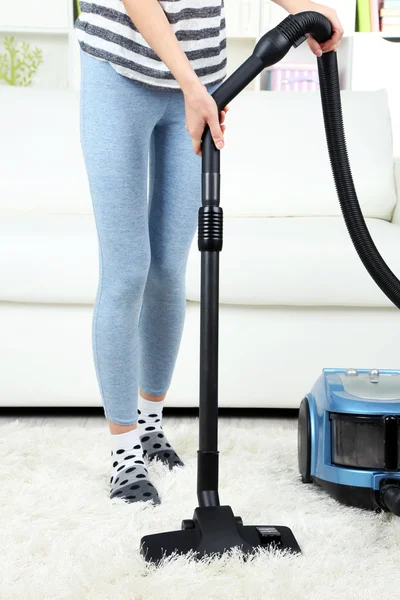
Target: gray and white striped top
<point>105,30</point>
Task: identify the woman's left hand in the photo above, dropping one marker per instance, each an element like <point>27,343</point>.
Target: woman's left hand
<point>337,30</point>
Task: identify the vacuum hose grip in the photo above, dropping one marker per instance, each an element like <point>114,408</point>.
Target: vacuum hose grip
<point>390,498</point>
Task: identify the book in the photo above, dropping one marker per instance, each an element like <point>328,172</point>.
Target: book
<point>390,21</point>
<point>374,14</point>
<point>363,16</point>
<point>390,12</point>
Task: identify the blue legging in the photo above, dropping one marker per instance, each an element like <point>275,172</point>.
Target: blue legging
<point>144,231</point>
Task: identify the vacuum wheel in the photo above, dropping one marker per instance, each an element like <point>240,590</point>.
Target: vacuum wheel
<point>304,442</point>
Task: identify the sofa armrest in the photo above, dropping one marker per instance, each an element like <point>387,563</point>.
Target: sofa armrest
<point>396,212</point>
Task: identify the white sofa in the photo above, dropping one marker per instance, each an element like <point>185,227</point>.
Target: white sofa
<point>294,296</point>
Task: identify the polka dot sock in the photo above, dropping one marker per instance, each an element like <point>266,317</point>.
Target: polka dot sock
<point>129,476</point>
<point>155,444</point>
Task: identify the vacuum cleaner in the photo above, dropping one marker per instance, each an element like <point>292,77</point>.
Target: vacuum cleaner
<point>348,437</point>
<point>214,529</point>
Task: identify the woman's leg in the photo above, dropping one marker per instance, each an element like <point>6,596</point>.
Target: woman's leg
<point>117,120</point>
<point>174,201</point>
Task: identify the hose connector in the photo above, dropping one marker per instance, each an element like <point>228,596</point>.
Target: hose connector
<point>292,31</point>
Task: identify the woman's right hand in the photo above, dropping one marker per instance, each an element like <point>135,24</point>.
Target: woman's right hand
<point>201,110</point>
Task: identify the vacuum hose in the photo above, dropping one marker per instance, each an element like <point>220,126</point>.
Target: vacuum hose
<point>335,137</point>
<point>390,497</point>
<point>355,222</point>
<point>271,48</point>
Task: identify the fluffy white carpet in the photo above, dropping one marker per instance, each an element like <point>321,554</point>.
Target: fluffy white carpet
<point>63,539</point>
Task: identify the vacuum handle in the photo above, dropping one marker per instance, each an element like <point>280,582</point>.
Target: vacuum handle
<point>270,49</point>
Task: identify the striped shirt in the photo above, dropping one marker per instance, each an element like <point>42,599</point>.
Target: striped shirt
<point>105,30</point>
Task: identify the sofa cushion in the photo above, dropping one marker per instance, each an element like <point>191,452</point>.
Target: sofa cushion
<point>297,261</point>
<point>306,261</point>
<point>48,258</point>
<point>275,161</point>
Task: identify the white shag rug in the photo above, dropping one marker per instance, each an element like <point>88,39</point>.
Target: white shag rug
<point>63,539</point>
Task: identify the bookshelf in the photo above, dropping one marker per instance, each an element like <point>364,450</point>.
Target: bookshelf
<point>49,25</point>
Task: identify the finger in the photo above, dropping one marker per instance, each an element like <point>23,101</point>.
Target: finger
<point>335,47</point>
<point>223,113</point>
<point>335,39</point>
<point>216,132</point>
<point>196,143</point>
<point>314,46</point>
<point>329,47</point>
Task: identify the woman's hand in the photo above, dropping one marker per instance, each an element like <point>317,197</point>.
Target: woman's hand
<point>201,110</point>
<point>337,30</point>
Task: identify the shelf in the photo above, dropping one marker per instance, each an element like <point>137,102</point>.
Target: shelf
<point>36,31</point>
<point>379,34</point>
<point>26,15</point>
<point>53,72</point>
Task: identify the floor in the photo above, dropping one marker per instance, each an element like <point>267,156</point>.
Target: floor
<point>94,417</point>
<point>65,539</point>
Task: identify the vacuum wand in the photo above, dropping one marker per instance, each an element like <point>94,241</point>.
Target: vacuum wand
<point>271,48</point>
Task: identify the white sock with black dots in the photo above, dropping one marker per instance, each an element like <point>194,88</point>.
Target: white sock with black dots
<point>154,443</point>
<point>129,476</point>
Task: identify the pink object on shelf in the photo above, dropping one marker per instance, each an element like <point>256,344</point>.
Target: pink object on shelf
<point>374,6</point>
<point>292,77</point>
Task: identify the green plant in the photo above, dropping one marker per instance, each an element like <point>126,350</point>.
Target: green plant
<point>78,8</point>
<point>19,62</point>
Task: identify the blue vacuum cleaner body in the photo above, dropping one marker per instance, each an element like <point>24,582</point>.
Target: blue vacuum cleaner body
<point>348,437</point>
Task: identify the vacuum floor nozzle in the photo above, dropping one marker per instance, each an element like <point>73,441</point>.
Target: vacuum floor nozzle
<point>213,531</point>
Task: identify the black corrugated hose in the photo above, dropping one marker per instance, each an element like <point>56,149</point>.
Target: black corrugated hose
<point>315,23</point>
